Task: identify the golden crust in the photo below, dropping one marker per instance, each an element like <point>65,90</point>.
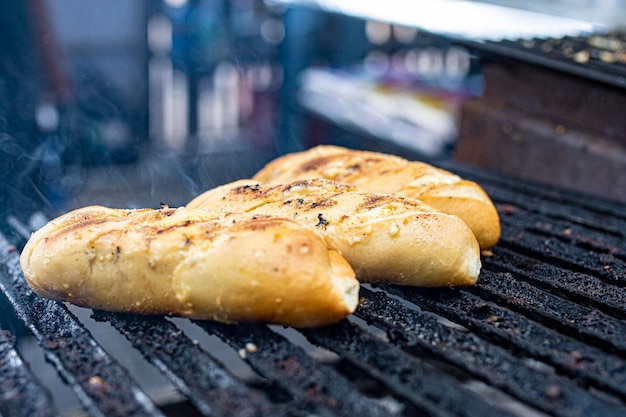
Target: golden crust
<point>191,263</point>
<point>382,173</point>
<point>385,238</point>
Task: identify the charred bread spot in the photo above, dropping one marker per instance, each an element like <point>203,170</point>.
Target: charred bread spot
<point>186,223</point>
<point>321,221</point>
<point>74,227</point>
<point>316,163</point>
<point>259,223</point>
<point>325,203</point>
<point>375,200</point>
<point>249,188</point>
<point>165,211</point>
<point>254,187</point>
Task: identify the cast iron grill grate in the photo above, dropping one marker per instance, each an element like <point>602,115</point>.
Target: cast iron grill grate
<point>596,56</point>
<point>542,333</point>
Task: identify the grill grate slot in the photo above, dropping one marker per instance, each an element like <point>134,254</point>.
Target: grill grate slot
<point>431,391</point>
<point>499,325</point>
<point>203,380</point>
<point>600,241</point>
<point>555,251</point>
<point>103,387</point>
<point>589,324</point>
<point>581,288</point>
<point>487,362</point>
<point>289,367</point>
<point>599,221</point>
<point>21,395</point>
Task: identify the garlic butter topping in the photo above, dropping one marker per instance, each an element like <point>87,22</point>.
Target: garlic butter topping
<point>433,178</point>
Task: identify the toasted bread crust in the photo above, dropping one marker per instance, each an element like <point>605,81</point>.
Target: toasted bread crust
<point>385,238</point>
<point>191,263</point>
<point>383,173</point>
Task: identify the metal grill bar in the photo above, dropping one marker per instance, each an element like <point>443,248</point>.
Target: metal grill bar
<point>101,384</point>
<point>500,325</point>
<point>601,220</point>
<point>204,381</point>
<point>553,250</point>
<point>588,324</point>
<point>600,241</point>
<point>490,363</point>
<point>21,394</point>
<point>594,251</point>
<point>432,392</point>
<point>288,366</point>
<point>581,288</point>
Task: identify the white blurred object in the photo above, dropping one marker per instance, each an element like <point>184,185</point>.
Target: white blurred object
<point>218,103</point>
<point>461,18</point>
<point>402,115</point>
<point>47,116</point>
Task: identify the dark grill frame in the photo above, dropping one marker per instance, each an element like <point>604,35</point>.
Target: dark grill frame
<point>544,327</point>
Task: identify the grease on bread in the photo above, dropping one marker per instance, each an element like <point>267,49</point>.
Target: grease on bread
<point>385,238</point>
<point>383,173</point>
<point>191,263</point>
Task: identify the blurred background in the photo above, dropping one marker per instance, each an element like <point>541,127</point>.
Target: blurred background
<point>134,103</point>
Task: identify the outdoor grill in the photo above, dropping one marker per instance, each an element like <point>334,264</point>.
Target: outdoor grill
<point>541,333</point>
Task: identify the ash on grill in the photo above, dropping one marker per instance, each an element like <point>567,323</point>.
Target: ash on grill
<point>542,333</point>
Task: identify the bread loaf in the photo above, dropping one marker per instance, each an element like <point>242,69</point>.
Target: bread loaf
<point>382,173</point>
<point>385,238</point>
<point>191,263</point>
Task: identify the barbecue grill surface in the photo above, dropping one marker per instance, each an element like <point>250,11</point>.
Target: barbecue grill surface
<point>542,333</point>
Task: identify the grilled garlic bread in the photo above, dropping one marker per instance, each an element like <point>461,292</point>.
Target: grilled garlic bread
<point>385,238</point>
<point>191,263</point>
<point>382,173</point>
